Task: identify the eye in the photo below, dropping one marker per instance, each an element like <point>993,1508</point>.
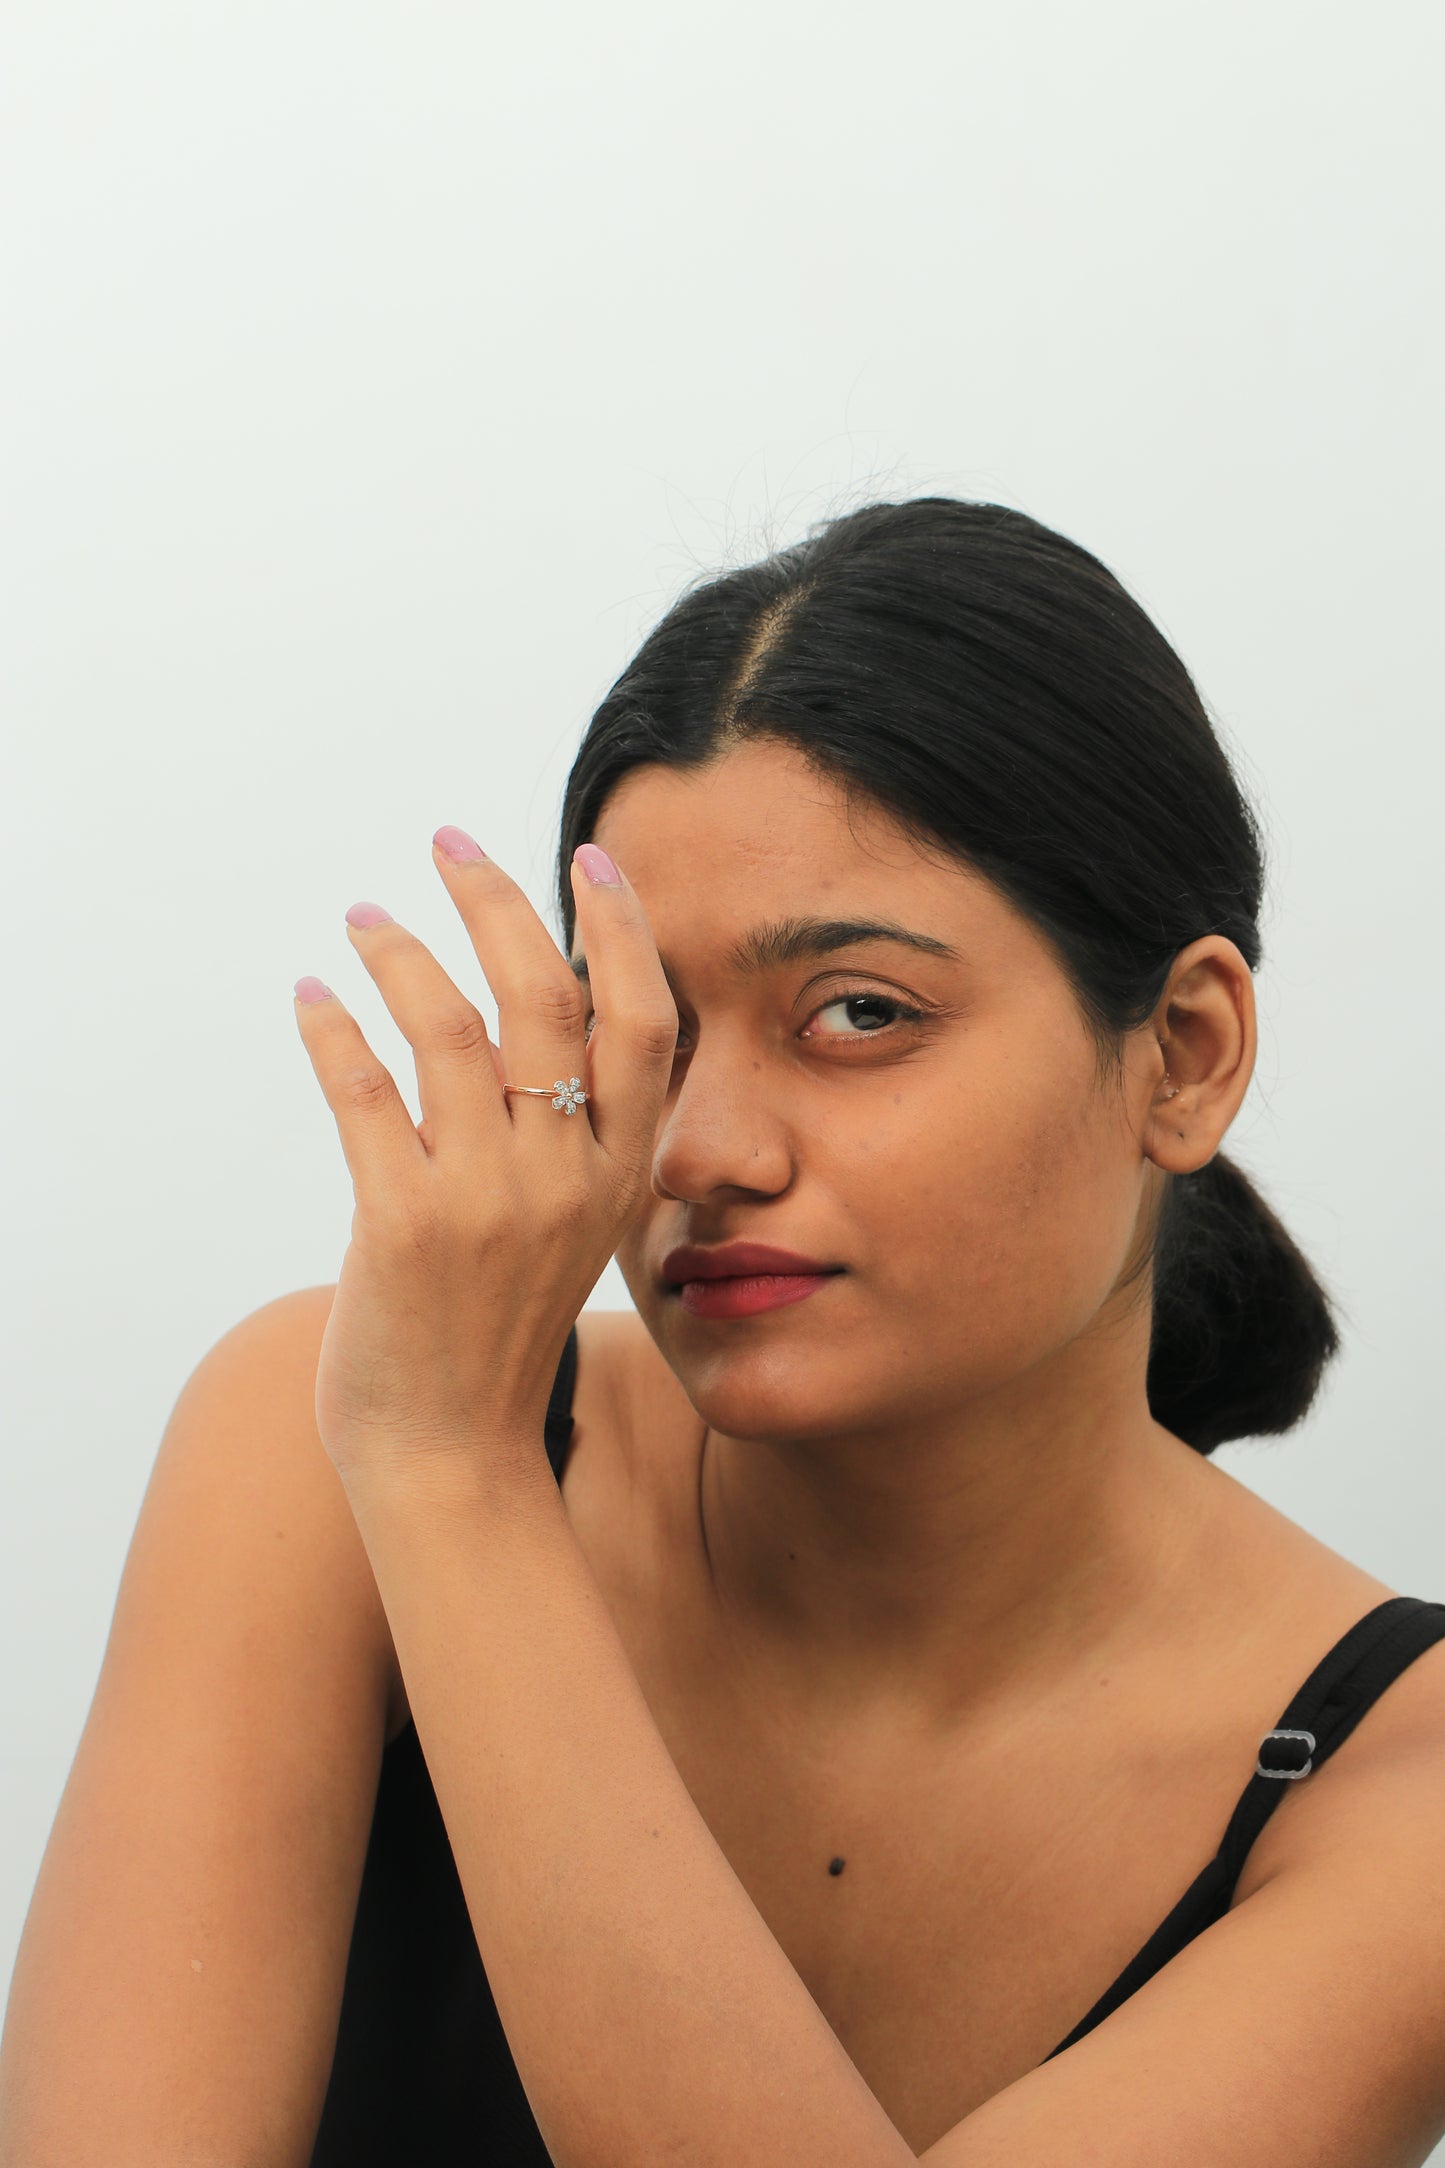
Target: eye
<point>892,1011</point>
<point>864,999</point>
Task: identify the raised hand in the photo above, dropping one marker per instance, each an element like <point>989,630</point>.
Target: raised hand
<point>480,1231</point>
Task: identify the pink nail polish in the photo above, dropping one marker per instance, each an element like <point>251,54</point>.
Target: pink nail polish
<point>368,914</point>
<point>597,865</point>
<point>458,846</point>
<point>309,990</point>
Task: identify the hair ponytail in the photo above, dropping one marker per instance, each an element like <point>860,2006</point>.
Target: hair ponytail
<point>1242,1327</point>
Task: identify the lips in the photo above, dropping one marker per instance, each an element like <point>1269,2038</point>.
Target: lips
<point>735,1260</point>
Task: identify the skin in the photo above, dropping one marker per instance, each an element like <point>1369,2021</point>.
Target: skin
<point>937,1479</point>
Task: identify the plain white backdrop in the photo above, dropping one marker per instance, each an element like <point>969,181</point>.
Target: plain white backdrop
<point>371,380</point>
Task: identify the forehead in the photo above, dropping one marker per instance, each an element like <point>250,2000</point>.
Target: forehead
<point>758,837</point>
<point>761,803</point>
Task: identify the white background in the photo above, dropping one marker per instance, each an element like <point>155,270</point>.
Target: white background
<point>372,380</point>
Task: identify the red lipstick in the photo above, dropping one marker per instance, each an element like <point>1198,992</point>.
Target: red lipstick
<point>738,1279</point>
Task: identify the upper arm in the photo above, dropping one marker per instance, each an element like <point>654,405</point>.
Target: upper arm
<point>178,1983</point>
<point>1304,2029</point>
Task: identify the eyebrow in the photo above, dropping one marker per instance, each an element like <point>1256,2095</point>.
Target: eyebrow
<point>791,940</point>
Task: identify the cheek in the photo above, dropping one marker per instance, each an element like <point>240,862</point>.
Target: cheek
<point>1009,1215</point>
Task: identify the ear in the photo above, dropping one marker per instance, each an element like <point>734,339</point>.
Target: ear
<point>1205,1029</point>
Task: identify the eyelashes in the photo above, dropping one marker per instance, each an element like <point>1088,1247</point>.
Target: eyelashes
<point>899,1012</point>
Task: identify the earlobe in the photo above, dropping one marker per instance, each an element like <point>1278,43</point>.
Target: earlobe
<point>1166,1090</point>
<point>1169,1094</point>
<point>1173,1088</point>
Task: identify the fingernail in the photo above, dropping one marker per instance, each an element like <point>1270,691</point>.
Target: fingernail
<point>597,865</point>
<point>368,914</point>
<point>312,990</point>
<point>457,845</point>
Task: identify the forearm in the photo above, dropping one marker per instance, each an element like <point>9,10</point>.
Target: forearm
<point>651,2013</point>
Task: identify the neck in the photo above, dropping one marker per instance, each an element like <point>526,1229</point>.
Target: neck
<point>941,1570</point>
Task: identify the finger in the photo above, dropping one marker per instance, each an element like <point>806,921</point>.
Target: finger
<point>633,1040</point>
<point>378,1137</point>
<point>540,1007</point>
<point>458,1070</point>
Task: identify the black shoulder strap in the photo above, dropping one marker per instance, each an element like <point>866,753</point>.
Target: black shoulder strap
<point>557,1426</point>
<point>1353,1674</point>
<point>1342,1686</point>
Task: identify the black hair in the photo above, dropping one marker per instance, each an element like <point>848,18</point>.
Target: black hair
<point>992,685</point>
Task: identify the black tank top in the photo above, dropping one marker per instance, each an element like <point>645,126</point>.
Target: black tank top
<point>422,2072</point>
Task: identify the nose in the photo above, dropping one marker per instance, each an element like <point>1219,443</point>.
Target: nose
<point>722,1129</point>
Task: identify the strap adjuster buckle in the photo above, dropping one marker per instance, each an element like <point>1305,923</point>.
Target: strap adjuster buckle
<point>1259,1767</point>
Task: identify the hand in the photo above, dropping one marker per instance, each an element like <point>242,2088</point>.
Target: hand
<point>480,1231</point>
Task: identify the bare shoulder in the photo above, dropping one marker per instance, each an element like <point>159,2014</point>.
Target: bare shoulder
<point>1301,1597</point>
<point>1347,1879</point>
<point>184,1953</point>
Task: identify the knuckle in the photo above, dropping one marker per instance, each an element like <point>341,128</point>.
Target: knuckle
<point>655,1033</point>
<point>556,1001</point>
<point>365,1087</point>
<point>459,1031</point>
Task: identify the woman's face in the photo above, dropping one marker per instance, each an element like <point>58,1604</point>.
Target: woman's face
<point>962,1162</point>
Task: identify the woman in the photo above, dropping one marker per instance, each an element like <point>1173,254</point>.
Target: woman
<point>1003,1703</point>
